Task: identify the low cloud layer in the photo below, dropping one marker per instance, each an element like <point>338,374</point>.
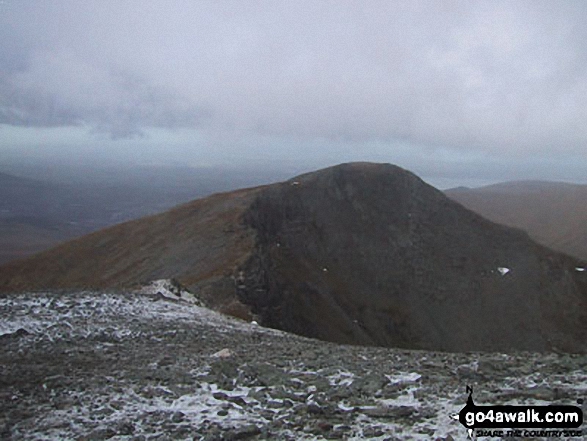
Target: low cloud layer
<point>508,77</point>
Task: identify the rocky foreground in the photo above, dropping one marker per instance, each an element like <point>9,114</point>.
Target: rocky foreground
<point>129,366</point>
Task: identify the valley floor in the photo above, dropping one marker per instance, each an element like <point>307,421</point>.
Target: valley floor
<point>121,366</point>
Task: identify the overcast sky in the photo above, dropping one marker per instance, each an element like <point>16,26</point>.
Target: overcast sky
<point>457,91</point>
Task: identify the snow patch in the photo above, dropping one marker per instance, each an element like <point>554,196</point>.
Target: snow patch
<point>170,289</point>
<point>341,378</point>
<point>223,353</point>
<point>406,399</point>
<point>404,377</point>
<point>503,270</point>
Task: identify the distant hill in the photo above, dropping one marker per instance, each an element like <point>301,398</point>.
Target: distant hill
<point>553,213</point>
<point>36,214</point>
<point>358,253</point>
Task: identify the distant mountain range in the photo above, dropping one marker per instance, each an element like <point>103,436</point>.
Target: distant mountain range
<point>359,253</point>
<point>553,213</point>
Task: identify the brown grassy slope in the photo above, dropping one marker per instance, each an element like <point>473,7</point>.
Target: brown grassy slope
<point>554,214</point>
<point>198,241</point>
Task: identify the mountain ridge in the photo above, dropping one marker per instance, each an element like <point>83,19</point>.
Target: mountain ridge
<point>357,253</point>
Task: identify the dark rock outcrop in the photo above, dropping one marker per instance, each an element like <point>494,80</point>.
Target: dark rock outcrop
<point>370,254</point>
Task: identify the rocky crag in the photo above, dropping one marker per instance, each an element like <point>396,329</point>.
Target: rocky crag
<point>358,253</point>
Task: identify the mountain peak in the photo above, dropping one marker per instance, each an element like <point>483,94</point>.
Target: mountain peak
<point>358,253</point>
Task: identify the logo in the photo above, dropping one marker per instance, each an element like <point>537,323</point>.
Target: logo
<point>527,421</point>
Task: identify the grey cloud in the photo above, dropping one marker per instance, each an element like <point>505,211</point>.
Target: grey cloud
<point>59,89</point>
<point>501,76</point>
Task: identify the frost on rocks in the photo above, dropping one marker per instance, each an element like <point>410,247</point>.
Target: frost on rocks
<point>120,366</point>
<point>89,314</point>
<point>170,289</point>
<point>404,378</point>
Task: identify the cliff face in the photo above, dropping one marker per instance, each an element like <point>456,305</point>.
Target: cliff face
<point>370,254</point>
<point>357,253</point>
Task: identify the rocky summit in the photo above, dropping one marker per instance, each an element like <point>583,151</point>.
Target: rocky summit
<point>358,253</point>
